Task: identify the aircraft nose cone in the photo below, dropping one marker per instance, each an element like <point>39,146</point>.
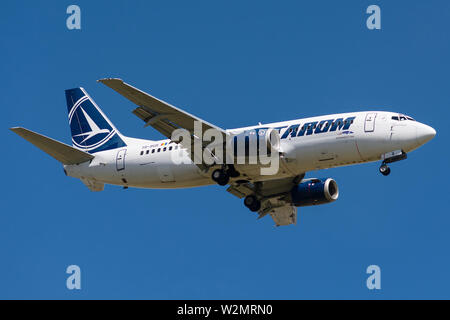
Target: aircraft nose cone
<point>425,133</point>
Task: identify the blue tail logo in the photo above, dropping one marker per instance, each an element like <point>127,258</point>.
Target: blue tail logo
<point>91,129</point>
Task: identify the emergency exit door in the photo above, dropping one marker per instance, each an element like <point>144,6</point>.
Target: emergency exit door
<point>369,124</point>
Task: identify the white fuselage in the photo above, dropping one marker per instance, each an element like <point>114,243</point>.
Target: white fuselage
<point>148,164</point>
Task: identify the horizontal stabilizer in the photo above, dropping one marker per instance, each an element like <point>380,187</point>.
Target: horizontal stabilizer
<point>58,150</point>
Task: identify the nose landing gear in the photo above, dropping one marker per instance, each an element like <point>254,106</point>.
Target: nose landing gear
<point>384,169</point>
<point>390,157</point>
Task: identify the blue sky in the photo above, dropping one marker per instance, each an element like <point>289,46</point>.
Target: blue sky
<point>232,63</point>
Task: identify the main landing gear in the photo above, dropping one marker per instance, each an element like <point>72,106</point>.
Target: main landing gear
<point>222,176</point>
<point>252,203</point>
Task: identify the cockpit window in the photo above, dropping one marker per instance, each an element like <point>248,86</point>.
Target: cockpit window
<point>402,117</point>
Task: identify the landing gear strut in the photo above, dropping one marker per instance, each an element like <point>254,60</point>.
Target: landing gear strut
<point>252,203</point>
<point>384,169</point>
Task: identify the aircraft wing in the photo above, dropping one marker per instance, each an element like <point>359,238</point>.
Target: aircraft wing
<point>274,195</point>
<point>159,114</point>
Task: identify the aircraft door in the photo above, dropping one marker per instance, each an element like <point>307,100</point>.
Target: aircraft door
<point>120,160</point>
<point>369,124</point>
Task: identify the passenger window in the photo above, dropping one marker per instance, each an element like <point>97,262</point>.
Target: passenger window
<point>164,149</point>
<point>170,148</point>
<point>142,152</point>
<point>153,151</point>
<point>147,151</point>
<point>176,147</point>
<point>159,149</point>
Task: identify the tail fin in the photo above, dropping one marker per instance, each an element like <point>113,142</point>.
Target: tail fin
<point>91,129</point>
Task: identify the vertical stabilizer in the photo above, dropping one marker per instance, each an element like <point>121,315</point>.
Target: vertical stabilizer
<point>90,128</point>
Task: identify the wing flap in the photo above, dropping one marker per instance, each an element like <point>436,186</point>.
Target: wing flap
<point>58,150</point>
<point>274,197</point>
<point>265,189</point>
<point>284,216</point>
<point>241,190</point>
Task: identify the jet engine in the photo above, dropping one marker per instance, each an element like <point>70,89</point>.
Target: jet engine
<point>314,191</point>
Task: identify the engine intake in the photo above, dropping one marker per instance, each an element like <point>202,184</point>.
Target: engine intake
<point>314,191</point>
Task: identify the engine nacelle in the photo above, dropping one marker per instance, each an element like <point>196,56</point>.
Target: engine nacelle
<point>314,191</point>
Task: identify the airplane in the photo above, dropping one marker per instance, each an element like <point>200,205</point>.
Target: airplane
<point>101,155</point>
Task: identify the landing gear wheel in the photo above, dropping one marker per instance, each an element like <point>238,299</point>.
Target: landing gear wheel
<point>252,203</point>
<point>385,170</point>
<point>221,177</point>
